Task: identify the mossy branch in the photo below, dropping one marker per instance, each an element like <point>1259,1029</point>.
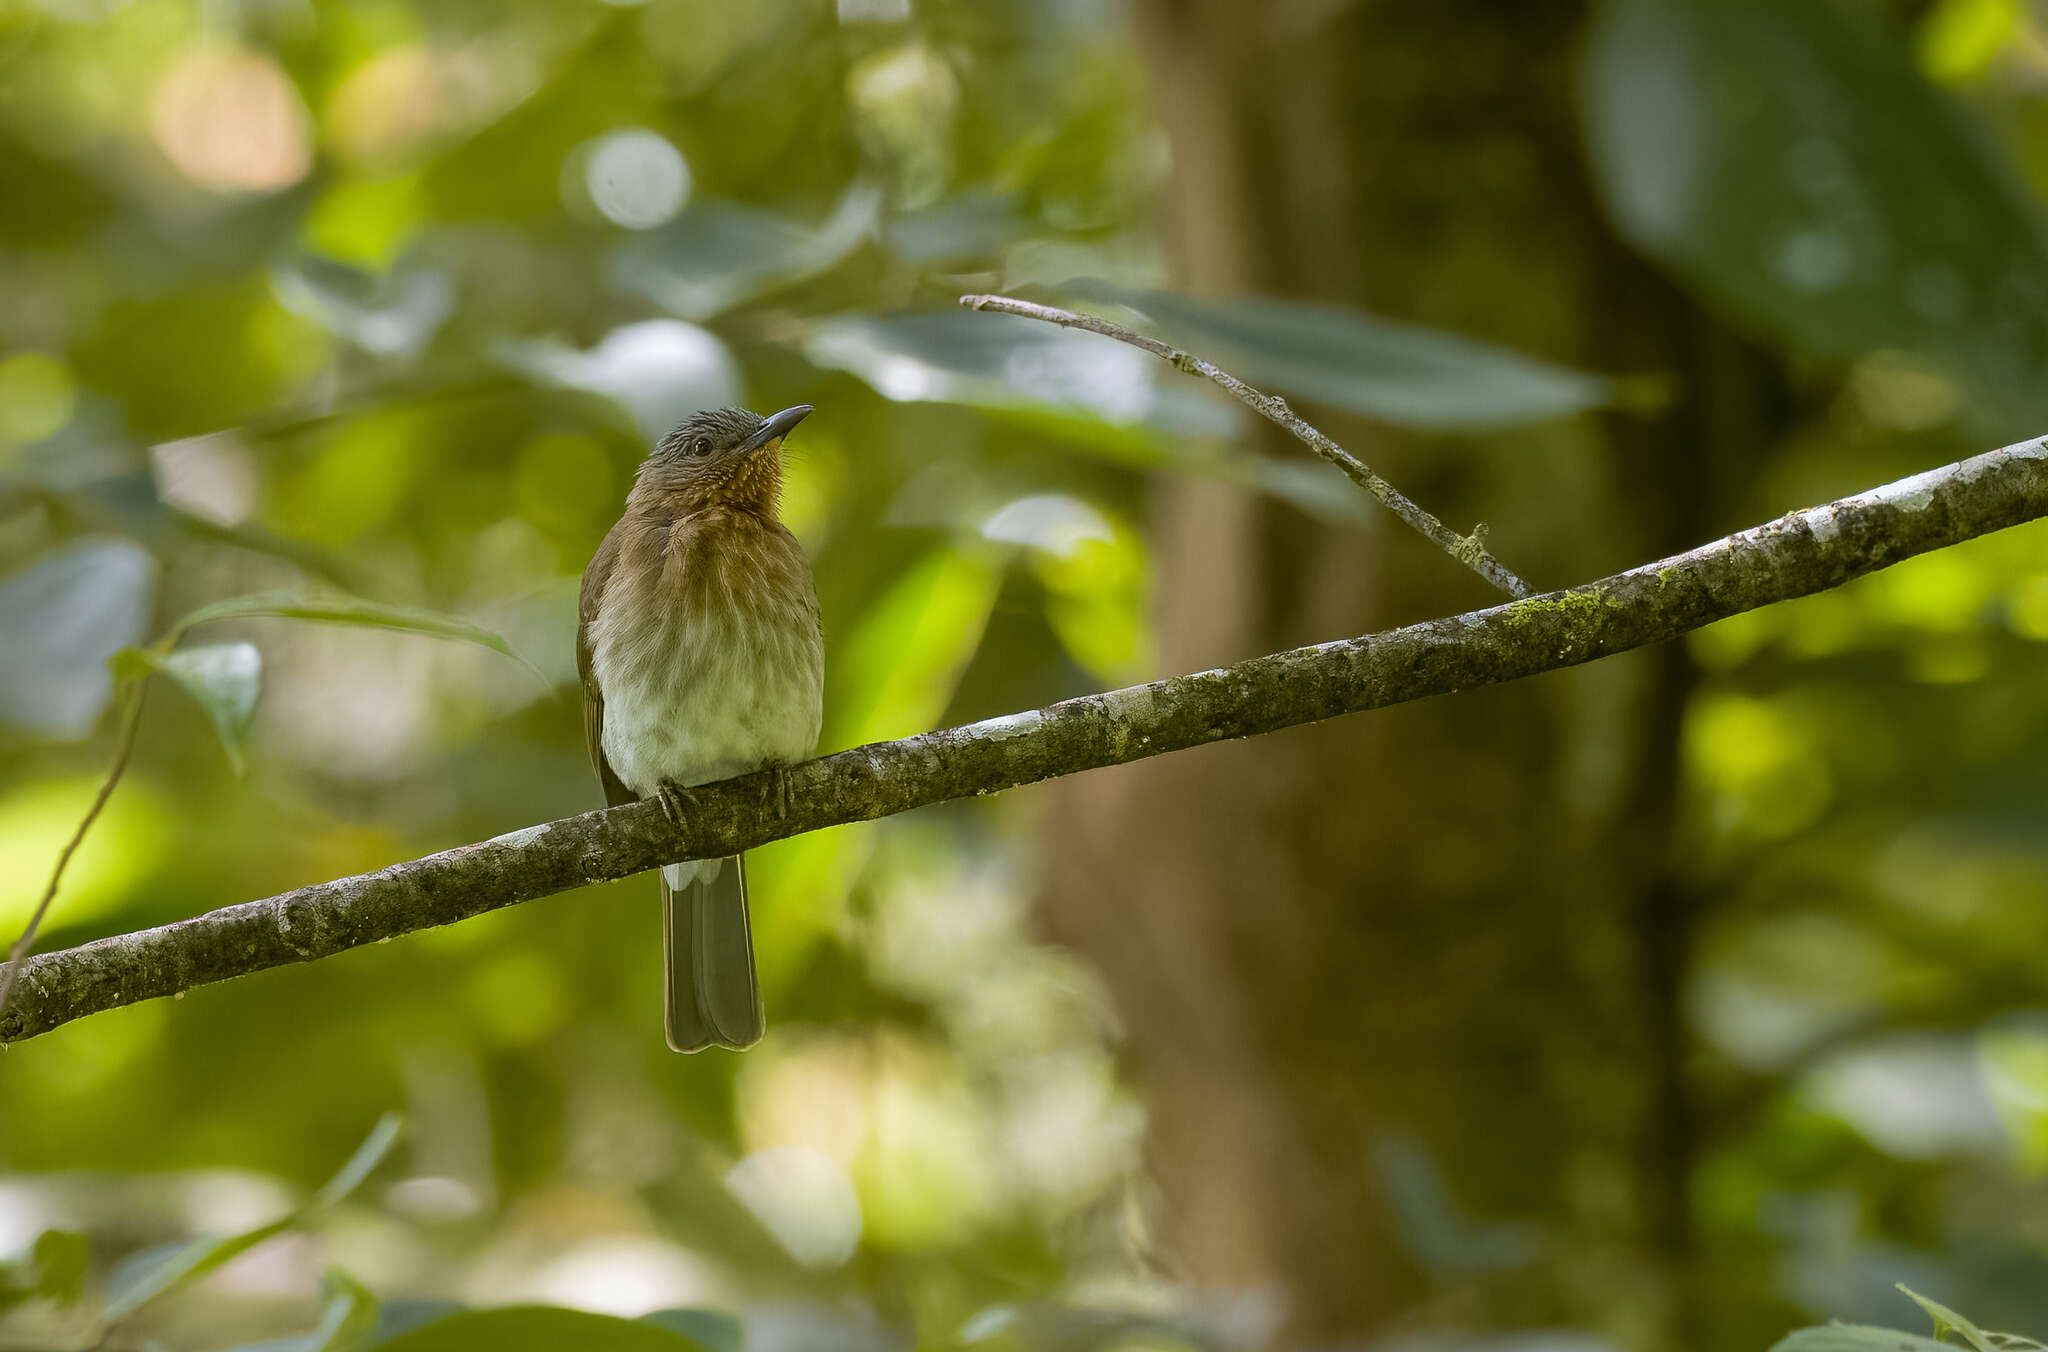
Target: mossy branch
<point>1797,555</point>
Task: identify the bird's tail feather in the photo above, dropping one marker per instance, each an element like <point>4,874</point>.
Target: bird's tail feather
<point>710,995</point>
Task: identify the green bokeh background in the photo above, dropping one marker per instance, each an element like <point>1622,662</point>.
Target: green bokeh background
<point>388,298</point>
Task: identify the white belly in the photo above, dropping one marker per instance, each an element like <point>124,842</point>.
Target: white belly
<point>705,698</point>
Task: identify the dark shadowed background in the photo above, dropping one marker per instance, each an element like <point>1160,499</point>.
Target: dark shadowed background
<point>1668,1003</point>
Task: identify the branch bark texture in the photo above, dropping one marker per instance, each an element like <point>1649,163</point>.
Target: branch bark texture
<point>1797,555</point>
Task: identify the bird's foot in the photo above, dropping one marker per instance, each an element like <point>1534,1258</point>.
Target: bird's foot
<point>668,794</point>
<point>781,791</point>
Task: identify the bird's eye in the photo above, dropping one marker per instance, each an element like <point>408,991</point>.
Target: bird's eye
<point>701,446</point>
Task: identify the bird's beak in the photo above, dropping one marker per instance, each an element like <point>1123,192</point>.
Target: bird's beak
<point>777,427</point>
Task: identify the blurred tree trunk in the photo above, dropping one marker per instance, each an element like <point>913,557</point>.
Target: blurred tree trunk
<point>1442,939</point>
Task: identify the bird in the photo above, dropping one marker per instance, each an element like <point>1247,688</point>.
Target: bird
<point>702,657</point>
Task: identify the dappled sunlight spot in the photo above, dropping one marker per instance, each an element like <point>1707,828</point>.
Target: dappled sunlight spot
<point>802,1198</point>
<point>387,105</point>
<point>212,477</point>
<point>281,1268</point>
<point>1096,602</point>
<point>1958,40</point>
<point>1821,626</point>
<point>1944,592</point>
<point>125,846</point>
<point>938,925</point>
<point>231,120</point>
<point>228,1201</point>
<point>393,317</point>
<point>1726,644</point>
<point>906,379</point>
<point>634,177</point>
<point>1048,521</point>
<point>196,1201</point>
<point>622,1275</point>
<point>995,361</point>
<point>896,672</point>
<point>359,481</point>
<point>805,1090</point>
<point>903,101</point>
<point>2013,1054</point>
<point>957,938</point>
<point>1918,1096</point>
<point>1759,763</point>
<point>1115,382</point>
<point>37,396</point>
<point>660,370</point>
<point>366,221</point>
<point>1068,1127</point>
<point>800,889</point>
<point>434,1201</point>
<point>25,1212</point>
<point>929,1176</point>
<point>814,482</point>
<point>1755,1023</point>
<point>386,1252</point>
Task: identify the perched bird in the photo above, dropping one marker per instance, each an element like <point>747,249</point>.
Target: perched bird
<point>698,642</point>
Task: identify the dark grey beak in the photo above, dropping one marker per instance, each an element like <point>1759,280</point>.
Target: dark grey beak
<point>778,426</point>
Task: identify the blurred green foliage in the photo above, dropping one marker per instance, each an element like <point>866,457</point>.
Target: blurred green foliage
<point>381,302</point>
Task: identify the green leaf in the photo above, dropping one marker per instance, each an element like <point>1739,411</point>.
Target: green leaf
<point>1003,362</point>
<point>348,1318</point>
<point>145,1276</point>
<point>351,610</point>
<point>54,1270</point>
<point>540,1328</point>
<point>368,1156</point>
<point>61,1258</point>
<point>1855,1338</point>
<point>64,616</point>
<point>713,1330</point>
<point>1947,1321</point>
<point>1404,374</point>
<point>224,678</point>
<point>1787,160</point>
<point>141,1278</point>
<point>346,1323</point>
<point>903,660</point>
<point>718,254</point>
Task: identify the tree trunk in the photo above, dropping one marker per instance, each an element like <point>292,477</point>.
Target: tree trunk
<point>1442,943</point>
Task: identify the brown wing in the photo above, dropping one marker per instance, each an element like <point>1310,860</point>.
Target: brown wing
<point>594,579</point>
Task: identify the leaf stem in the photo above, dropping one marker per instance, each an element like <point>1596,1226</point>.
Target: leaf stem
<point>131,723</point>
<point>1469,550</point>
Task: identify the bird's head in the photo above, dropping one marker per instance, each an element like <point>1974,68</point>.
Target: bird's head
<point>727,456</point>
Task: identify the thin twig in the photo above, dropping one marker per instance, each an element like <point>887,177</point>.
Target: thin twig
<point>1469,550</point>
<point>1796,555</point>
<point>18,955</point>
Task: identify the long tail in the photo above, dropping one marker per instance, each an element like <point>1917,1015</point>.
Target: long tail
<point>710,996</point>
